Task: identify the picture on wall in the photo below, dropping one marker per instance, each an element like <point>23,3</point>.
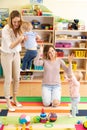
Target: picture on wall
<point>36,1</point>
<point>4,13</point>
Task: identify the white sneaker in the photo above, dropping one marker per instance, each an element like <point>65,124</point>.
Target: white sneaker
<point>71,116</point>
<point>27,70</point>
<point>21,70</point>
<point>17,104</point>
<point>12,109</point>
<point>9,106</point>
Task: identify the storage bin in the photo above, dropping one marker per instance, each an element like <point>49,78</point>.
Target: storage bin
<point>82,45</point>
<point>1,71</point>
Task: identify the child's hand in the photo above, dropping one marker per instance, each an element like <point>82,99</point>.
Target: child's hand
<point>70,57</point>
<point>25,38</point>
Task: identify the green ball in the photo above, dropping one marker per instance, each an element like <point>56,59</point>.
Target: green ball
<point>36,119</point>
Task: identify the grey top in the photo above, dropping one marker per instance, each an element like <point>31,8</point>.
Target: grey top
<point>51,75</point>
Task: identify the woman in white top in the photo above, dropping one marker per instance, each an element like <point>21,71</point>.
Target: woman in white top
<point>10,57</point>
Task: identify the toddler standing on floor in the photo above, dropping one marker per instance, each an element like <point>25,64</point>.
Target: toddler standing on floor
<point>30,45</point>
<point>74,86</point>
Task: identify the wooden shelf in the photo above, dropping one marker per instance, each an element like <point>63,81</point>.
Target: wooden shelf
<point>78,58</point>
<point>70,31</point>
<point>70,39</point>
<point>31,71</point>
<point>71,48</point>
<point>74,38</point>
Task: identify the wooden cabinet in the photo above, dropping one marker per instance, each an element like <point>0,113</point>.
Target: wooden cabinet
<point>67,41</point>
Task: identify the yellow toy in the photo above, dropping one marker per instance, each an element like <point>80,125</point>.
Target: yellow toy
<point>30,128</point>
<point>85,124</point>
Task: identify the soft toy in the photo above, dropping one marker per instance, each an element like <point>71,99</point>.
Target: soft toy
<point>74,24</point>
<point>37,11</point>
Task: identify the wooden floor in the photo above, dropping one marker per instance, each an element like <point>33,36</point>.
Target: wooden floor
<point>34,89</point>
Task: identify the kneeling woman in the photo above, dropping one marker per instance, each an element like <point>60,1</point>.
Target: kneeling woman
<point>51,85</point>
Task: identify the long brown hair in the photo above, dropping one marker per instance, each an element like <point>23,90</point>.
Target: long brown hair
<point>13,14</point>
<point>45,51</point>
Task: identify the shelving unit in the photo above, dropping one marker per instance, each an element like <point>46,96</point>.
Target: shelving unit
<point>46,31</point>
<point>45,28</point>
<point>67,41</point>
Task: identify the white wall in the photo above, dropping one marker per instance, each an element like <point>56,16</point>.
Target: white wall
<point>69,9</point>
<point>13,4</point>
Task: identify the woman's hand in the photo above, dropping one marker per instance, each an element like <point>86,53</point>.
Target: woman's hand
<point>21,39</point>
<point>18,41</point>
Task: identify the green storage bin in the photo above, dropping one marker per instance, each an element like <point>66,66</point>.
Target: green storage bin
<point>1,71</point>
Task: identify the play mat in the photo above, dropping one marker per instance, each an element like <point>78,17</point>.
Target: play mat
<point>32,108</point>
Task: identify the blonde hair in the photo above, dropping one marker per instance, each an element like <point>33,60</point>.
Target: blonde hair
<point>26,26</point>
<point>14,14</point>
<point>78,75</point>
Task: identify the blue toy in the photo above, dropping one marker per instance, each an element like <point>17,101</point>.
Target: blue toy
<point>79,122</point>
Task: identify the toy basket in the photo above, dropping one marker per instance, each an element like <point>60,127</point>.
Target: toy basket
<point>82,45</point>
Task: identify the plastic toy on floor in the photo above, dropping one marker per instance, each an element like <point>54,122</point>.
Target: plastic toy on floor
<point>43,116</point>
<point>24,119</point>
<point>1,126</point>
<point>85,124</point>
<point>52,117</point>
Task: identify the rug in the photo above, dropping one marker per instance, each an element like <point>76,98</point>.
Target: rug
<point>79,127</point>
<point>3,112</point>
<point>34,107</point>
<point>82,113</point>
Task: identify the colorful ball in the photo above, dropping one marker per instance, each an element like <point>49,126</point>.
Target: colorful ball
<point>52,117</point>
<point>36,119</point>
<point>23,119</point>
